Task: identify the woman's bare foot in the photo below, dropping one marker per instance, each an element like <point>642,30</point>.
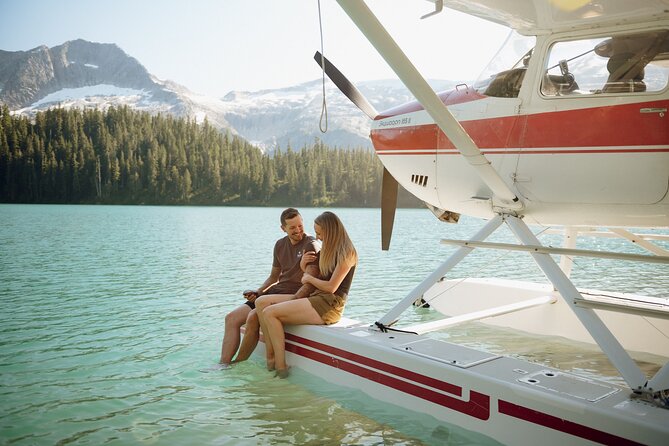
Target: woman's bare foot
<point>282,373</point>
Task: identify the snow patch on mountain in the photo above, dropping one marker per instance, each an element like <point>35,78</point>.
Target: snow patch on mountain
<point>101,97</point>
<point>84,92</point>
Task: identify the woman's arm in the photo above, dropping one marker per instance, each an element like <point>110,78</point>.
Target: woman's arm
<point>329,286</point>
<point>307,288</point>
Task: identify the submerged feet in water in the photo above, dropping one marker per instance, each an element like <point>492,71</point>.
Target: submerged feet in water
<point>216,368</point>
<point>282,373</point>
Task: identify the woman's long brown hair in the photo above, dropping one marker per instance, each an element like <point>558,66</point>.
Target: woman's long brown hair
<point>337,245</point>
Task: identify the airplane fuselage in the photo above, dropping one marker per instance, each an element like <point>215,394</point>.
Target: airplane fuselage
<point>582,157</point>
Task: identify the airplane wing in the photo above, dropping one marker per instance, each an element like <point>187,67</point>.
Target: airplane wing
<point>534,17</point>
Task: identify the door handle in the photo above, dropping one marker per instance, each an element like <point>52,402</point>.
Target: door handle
<point>661,111</point>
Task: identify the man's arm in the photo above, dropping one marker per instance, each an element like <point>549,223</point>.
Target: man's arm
<point>252,295</point>
<point>271,280</point>
<point>306,289</point>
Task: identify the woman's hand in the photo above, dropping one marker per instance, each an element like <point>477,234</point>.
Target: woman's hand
<point>306,259</point>
<point>306,278</point>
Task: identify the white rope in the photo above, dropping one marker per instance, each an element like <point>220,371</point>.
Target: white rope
<point>324,107</point>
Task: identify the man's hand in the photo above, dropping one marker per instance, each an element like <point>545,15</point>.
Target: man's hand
<point>306,259</point>
<point>251,295</point>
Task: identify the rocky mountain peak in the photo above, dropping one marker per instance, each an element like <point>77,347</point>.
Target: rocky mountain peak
<point>27,76</point>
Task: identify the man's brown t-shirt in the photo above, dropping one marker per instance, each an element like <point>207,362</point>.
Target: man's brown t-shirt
<point>287,257</point>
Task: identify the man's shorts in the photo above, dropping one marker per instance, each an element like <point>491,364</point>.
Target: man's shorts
<point>278,288</point>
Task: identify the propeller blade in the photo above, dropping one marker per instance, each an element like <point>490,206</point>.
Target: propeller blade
<point>346,87</point>
<point>388,205</point>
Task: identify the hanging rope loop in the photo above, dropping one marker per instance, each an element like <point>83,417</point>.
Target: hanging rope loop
<point>323,123</point>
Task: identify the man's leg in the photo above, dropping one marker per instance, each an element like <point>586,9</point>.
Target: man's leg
<point>251,336</point>
<point>233,322</point>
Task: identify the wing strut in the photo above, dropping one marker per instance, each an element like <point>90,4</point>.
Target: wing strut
<point>377,35</point>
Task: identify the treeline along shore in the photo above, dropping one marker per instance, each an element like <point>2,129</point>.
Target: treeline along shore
<point>122,156</point>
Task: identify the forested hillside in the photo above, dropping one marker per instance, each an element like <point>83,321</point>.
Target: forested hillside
<point>123,156</point>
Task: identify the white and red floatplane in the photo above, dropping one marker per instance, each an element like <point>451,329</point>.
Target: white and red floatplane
<point>570,128</point>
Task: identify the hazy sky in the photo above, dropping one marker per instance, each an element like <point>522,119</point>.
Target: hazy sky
<point>215,46</point>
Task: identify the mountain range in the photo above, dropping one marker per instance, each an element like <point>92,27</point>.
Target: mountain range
<point>86,74</point>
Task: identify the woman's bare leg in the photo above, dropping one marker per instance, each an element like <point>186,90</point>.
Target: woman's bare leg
<point>295,312</point>
<point>262,303</point>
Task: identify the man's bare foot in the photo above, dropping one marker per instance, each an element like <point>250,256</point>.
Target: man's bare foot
<point>216,368</point>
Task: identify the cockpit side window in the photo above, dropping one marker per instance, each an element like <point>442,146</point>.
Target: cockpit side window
<point>616,64</point>
<point>506,84</point>
<point>504,74</point>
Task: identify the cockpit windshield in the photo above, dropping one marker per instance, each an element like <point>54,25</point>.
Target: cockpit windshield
<point>504,74</point>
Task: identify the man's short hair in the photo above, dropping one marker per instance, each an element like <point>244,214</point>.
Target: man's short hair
<point>288,214</point>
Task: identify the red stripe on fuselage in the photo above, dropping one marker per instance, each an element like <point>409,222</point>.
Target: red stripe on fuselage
<point>531,152</point>
<point>614,126</point>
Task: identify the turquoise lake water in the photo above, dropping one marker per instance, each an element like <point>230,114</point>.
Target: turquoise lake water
<point>108,314</point>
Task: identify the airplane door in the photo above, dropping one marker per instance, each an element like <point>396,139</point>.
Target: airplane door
<point>600,155</point>
<point>597,130</point>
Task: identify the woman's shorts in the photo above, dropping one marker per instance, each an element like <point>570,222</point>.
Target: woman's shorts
<point>328,306</point>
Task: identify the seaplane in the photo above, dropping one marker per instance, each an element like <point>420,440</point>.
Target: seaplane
<point>567,127</point>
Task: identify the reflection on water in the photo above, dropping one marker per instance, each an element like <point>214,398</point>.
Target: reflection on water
<point>107,314</point>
